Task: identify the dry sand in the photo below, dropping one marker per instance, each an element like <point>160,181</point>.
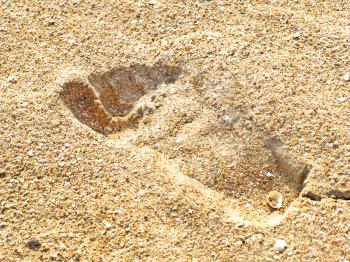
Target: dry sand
<point>154,130</point>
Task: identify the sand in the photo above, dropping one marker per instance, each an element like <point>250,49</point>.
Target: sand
<point>154,130</point>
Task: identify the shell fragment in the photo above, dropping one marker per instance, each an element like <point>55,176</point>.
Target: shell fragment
<point>275,199</point>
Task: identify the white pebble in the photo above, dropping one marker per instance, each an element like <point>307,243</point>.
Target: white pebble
<point>268,174</point>
<point>346,77</point>
<point>30,153</point>
<point>238,242</point>
<point>280,245</point>
<point>296,32</point>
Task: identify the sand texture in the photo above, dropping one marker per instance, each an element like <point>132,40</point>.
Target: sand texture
<point>174,130</point>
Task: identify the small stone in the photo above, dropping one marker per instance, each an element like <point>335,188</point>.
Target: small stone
<point>280,245</point>
<point>30,153</point>
<point>346,77</point>
<point>268,174</point>
<point>296,32</point>
<point>239,242</point>
<point>33,244</point>
<point>108,225</point>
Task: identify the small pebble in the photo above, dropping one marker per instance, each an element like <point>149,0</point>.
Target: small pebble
<point>280,245</point>
<point>346,77</point>
<point>296,32</point>
<point>108,225</point>
<point>268,174</point>
<point>30,153</point>
<point>239,242</point>
<point>33,244</point>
